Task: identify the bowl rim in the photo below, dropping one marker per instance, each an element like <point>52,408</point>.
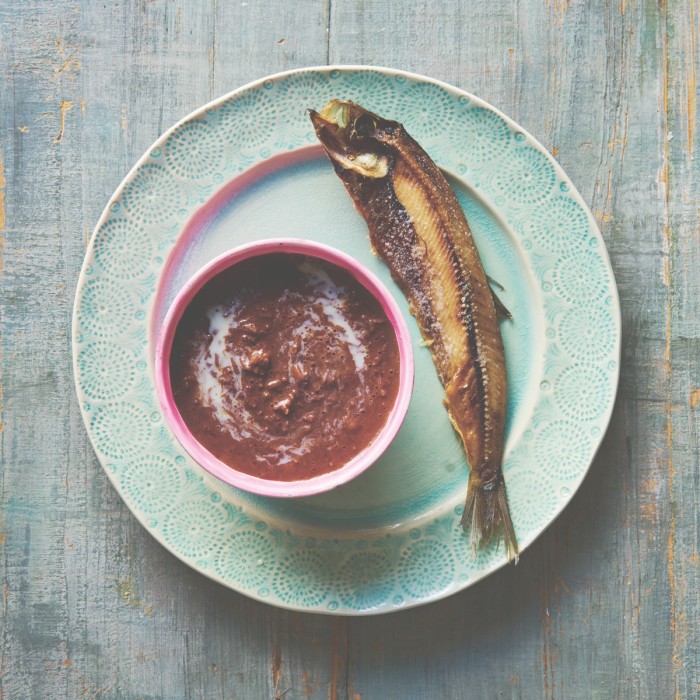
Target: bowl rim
<point>247,482</point>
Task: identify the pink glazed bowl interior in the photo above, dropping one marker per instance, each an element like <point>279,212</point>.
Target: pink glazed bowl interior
<point>228,474</point>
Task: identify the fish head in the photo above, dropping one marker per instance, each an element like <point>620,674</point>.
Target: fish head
<point>355,139</point>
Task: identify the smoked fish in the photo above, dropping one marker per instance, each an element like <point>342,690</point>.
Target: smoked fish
<point>419,230</point>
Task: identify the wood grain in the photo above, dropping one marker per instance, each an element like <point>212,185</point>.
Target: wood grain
<point>605,604</point>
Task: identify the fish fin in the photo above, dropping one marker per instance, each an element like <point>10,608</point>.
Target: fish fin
<point>495,283</point>
<point>486,509</point>
<point>501,310</point>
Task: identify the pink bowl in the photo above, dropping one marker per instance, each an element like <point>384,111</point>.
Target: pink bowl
<point>228,474</point>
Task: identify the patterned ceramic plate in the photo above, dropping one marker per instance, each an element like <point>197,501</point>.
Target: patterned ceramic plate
<point>247,167</point>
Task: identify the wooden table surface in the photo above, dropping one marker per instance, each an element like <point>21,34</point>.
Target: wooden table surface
<point>603,605</point>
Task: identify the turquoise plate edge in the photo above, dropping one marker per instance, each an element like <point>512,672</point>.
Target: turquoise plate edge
<point>200,522</point>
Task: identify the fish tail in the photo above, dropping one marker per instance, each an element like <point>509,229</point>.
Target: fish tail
<point>486,509</point>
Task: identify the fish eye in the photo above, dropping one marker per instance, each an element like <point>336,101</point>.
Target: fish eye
<point>364,125</point>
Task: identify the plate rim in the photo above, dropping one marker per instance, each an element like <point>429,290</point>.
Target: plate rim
<point>515,127</point>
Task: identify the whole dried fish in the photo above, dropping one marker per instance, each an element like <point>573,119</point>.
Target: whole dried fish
<point>418,228</point>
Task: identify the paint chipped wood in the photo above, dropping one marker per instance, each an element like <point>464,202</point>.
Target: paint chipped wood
<point>605,604</point>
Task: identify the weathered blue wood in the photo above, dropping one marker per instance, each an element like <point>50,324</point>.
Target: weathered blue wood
<point>605,604</point>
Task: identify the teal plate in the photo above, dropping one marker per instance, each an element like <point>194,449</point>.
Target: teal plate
<point>247,167</point>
